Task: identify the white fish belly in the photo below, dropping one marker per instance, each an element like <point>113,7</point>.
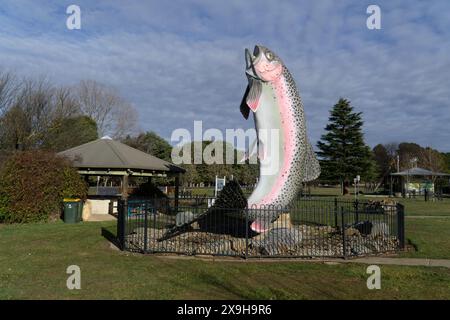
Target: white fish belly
<point>271,140</point>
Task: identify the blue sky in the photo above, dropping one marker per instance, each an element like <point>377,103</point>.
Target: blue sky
<point>180,61</point>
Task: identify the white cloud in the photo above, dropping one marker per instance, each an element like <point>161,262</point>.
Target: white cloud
<point>181,62</point>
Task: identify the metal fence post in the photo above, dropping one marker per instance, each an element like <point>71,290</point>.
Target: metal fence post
<point>344,238</point>
<point>246,233</point>
<point>356,211</point>
<point>401,225</point>
<point>122,208</point>
<point>146,228</point>
<point>335,212</point>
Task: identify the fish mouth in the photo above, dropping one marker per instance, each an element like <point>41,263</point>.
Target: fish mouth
<point>251,60</point>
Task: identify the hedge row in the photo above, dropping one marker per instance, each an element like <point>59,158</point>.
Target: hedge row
<point>33,185</point>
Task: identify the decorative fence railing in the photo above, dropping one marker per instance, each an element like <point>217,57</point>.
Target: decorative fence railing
<point>307,228</point>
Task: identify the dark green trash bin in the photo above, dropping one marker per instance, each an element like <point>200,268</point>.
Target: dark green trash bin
<point>73,209</point>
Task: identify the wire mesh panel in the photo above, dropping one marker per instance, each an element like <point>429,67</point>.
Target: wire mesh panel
<point>307,228</point>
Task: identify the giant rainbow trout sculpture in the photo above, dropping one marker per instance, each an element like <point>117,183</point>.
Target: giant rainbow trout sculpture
<point>285,162</point>
<point>273,97</point>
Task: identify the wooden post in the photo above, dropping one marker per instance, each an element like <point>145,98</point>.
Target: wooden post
<point>125,187</point>
<point>391,191</point>
<point>86,180</point>
<point>403,187</point>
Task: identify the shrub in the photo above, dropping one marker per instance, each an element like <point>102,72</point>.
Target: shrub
<point>148,189</point>
<point>33,185</point>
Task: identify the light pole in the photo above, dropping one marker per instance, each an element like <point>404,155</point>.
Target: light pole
<point>398,163</point>
<point>356,182</point>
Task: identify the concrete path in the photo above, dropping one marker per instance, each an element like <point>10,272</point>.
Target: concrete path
<point>330,261</point>
<point>427,217</point>
<point>100,217</point>
<point>402,261</point>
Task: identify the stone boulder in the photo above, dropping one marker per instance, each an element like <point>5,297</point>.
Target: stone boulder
<point>280,241</point>
<point>380,229</point>
<point>376,228</point>
<point>183,218</point>
<point>364,227</point>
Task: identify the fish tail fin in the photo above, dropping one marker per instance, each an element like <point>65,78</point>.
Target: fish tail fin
<point>311,166</point>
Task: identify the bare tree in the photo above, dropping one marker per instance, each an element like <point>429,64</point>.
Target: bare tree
<point>112,114</point>
<point>392,149</point>
<point>432,160</point>
<point>31,109</point>
<point>124,121</point>
<point>65,103</point>
<point>26,122</point>
<point>8,90</point>
<point>37,101</point>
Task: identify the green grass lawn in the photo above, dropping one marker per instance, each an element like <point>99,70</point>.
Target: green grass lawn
<point>34,258</point>
<point>431,237</point>
<point>422,208</point>
<point>412,206</point>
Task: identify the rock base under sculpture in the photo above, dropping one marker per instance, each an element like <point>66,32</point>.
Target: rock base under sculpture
<point>283,239</point>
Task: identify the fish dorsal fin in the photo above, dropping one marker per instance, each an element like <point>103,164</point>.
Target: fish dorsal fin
<point>254,94</point>
<point>311,166</point>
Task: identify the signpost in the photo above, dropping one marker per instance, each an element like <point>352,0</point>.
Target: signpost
<point>220,183</point>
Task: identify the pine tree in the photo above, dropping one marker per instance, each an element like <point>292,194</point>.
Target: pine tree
<point>343,153</point>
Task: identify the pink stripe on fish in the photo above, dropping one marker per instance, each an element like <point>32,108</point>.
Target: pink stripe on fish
<point>289,131</point>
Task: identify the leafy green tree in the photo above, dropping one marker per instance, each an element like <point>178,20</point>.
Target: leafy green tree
<point>14,129</point>
<point>447,160</point>
<point>382,159</point>
<point>151,143</point>
<point>191,175</point>
<point>343,153</point>
<point>206,172</point>
<point>67,133</point>
<point>386,163</point>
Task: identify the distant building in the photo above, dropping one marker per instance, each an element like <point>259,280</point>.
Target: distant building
<point>415,181</point>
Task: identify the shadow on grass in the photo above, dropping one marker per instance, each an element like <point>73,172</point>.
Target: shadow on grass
<point>411,244</point>
<point>111,237</point>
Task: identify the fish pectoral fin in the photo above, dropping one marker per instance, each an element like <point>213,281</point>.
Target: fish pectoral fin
<point>245,110</point>
<point>251,97</point>
<point>254,94</point>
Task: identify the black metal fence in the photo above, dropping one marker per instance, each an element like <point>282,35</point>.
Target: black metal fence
<point>307,228</point>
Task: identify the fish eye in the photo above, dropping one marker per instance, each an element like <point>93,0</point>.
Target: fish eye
<point>269,55</point>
